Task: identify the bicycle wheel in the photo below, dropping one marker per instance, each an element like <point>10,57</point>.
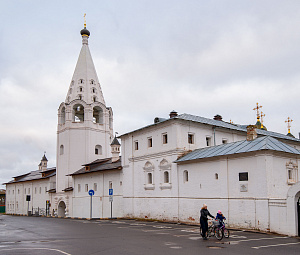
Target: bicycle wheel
<point>219,233</point>
<point>226,232</point>
<point>210,231</point>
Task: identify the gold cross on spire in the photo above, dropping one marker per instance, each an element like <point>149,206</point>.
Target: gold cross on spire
<point>262,115</point>
<point>289,121</point>
<point>84,20</point>
<point>257,110</point>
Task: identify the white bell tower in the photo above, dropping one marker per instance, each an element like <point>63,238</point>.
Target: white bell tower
<point>85,124</point>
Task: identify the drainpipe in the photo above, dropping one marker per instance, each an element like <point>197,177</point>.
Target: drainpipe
<point>214,128</point>
<point>228,188</point>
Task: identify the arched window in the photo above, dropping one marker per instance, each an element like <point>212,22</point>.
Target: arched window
<point>185,176</point>
<point>63,115</point>
<point>97,115</point>
<point>78,113</point>
<point>98,149</point>
<point>61,150</point>
<point>165,169</point>
<point>166,177</point>
<point>149,173</point>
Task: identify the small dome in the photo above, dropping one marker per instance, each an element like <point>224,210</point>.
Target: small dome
<point>85,32</point>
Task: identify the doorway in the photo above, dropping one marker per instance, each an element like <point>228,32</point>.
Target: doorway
<point>61,210</point>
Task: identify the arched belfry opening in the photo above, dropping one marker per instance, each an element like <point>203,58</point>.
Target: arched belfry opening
<point>98,115</point>
<point>63,115</point>
<point>78,113</point>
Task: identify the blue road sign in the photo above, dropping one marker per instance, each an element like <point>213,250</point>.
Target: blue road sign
<point>91,192</point>
<point>111,192</point>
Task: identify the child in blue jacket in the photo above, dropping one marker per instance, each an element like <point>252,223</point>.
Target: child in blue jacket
<point>220,217</point>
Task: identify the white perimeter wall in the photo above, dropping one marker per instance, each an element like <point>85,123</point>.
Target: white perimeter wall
<point>101,205</point>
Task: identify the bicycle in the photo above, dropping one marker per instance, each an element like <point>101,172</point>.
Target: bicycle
<point>213,224</point>
<point>221,231</point>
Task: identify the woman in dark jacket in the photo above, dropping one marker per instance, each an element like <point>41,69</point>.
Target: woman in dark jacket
<point>203,220</point>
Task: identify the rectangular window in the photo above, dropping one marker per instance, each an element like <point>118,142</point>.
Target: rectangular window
<point>224,140</point>
<point>25,191</point>
<point>45,190</point>
<point>79,188</point>
<point>40,190</point>
<point>165,138</point>
<point>191,138</point>
<point>208,141</point>
<point>243,176</point>
<point>86,187</point>
<point>150,142</point>
<point>28,190</point>
<point>110,185</point>
<point>35,190</point>
<point>95,186</point>
<point>149,179</point>
<point>136,145</point>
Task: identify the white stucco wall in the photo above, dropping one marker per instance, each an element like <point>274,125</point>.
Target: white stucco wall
<point>100,202</point>
<point>16,195</point>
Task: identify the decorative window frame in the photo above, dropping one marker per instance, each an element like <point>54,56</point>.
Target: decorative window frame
<point>292,172</point>
<point>149,168</point>
<point>164,167</point>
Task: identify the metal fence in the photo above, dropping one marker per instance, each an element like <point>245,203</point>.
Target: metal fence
<point>38,211</point>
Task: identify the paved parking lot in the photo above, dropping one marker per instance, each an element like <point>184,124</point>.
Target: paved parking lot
<point>51,236</point>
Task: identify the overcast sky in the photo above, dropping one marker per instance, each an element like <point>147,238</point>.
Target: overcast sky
<point>199,57</point>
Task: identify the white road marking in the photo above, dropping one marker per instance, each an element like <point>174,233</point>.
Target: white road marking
<point>138,224</point>
<point>176,247</point>
<point>48,249</point>
<point>195,237</point>
<point>237,236</point>
<point>191,230</point>
<point>170,243</point>
<point>186,235</point>
<point>162,227</point>
<point>119,222</point>
<point>264,238</point>
<point>274,245</point>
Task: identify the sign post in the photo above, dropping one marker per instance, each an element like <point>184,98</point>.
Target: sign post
<point>111,193</point>
<point>28,199</point>
<point>91,193</point>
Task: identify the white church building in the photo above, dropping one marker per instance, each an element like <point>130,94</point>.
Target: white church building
<point>167,170</point>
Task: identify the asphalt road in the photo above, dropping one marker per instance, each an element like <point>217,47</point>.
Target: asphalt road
<point>53,236</point>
